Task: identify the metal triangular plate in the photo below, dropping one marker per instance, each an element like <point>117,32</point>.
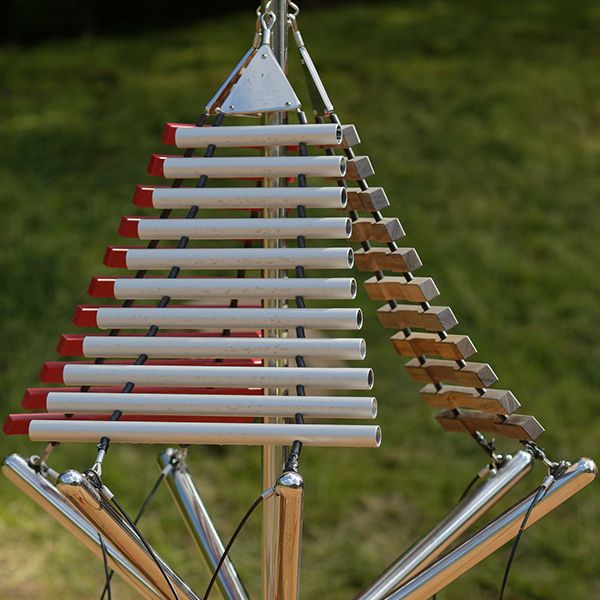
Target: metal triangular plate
<point>261,87</point>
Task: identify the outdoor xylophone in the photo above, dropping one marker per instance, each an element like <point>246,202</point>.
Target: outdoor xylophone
<point>201,346</point>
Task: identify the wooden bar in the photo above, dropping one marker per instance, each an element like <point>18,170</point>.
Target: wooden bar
<point>419,289</point>
<point>497,402</point>
<point>350,136</point>
<point>453,347</point>
<point>402,260</point>
<point>435,370</point>
<point>403,316</point>
<point>369,230</point>
<point>519,427</point>
<point>371,199</point>
<point>359,167</point>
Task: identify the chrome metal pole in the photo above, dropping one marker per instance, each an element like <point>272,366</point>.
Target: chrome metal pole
<point>450,528</point>
<point>290,508</point>
<point>77,489</point>
<point>46,496</point>
<point>200,525</point>
<point>500,531</point>
<point>273,457</point>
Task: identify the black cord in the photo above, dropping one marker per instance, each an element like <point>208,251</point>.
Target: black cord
<point>215,574</point>
<point>469,487</point>
<point>139,515</point>
<point>146,545</point>
<point>107,573</point>
<point>513,550</point>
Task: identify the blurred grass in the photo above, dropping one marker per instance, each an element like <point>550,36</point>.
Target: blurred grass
<point>483,122</point>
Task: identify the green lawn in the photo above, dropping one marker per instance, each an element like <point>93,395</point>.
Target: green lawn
<point>483,123</point>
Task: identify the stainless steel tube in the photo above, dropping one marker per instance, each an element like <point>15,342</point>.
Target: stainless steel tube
<point>47,497</point>
<point>196,517</point>
<point>333,288</point>
<point>333,407</point>
<point>239,318</point>
<point>450,528</point>
<point>247,197</point>
<point>219,347</point>
<point>325,228</point>
<point>240,258</point>
<point>254,166</point>
<point>231,377</point>
<point>244,434</point>
<point>500,531</point>
<point>289,492</point>
<point>76,488</point>
<point>258,135</point>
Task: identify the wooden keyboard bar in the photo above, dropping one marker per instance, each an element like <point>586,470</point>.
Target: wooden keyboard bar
<point>350,136</point>
<point>371,199</point>
<point>434,370</point>
<point>519,427</point>
<point>419,289</point>
<point>497,402</point>
<point>401,260</point>
<point>386,230</point>
<point>359,167</point>
<point>453,347</point>
<point>435,318</point>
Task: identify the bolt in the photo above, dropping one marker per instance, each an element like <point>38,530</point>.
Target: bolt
<point>231,106</point>
<point>263,56</point>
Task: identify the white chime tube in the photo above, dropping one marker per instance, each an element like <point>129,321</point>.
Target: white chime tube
<point>229,377</point>
<point>246,434</point>
<point>258,135</point>
<point>248,197</point>
<point>254,166</point>
<point>240,258</point>
<point>327,407</point>
<point>340,288</point>
<point>332,228</point>
<point>192,318</point>
<point>222,347</point>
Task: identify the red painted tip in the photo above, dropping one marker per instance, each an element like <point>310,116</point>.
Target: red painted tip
<point>168,134</point>
<point>143,196</point>
<point>70,345</point>
<point>102,287</point>
<point>129,227</point>
<point>156,165</point>
<point>35,398</point>
<point>52,372</point>
<point>115,257</point>
<point>85,316</point>
<point>16,425</point>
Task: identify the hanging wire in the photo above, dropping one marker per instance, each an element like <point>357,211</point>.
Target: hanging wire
<point>107,572</point>
<point>146,545</point>
<point>266,494</point>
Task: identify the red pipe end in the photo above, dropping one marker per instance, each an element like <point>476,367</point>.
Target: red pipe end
<point>35,398</point>
<point>156,165</point>
<point>70,345</point>
<point>129,227</point>
<point>142,196</point>
<point>115,257</point>
<point>85,316</point>
<point>102,287</point>
<point>52,372</point>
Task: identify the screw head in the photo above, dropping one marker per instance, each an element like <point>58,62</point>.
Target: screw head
<point>231,106</point>
<point>288,103</point>
<point>263,56</point>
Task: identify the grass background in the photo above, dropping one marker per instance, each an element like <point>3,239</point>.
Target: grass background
<point>483,123</point>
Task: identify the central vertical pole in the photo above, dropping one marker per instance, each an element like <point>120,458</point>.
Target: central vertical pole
<point>273,456</point>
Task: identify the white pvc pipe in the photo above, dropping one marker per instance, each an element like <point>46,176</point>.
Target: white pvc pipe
<point>254,166</point>
<point>327,228</point>
<point>229,287</point>
<point>258,135</point>
<point>240,258</point>
<point>227,198</point>
<point>223,347</point>
<point>192,318</point>
<point>229,377</point>
<point>330,407</point>
<point>246,434</point>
